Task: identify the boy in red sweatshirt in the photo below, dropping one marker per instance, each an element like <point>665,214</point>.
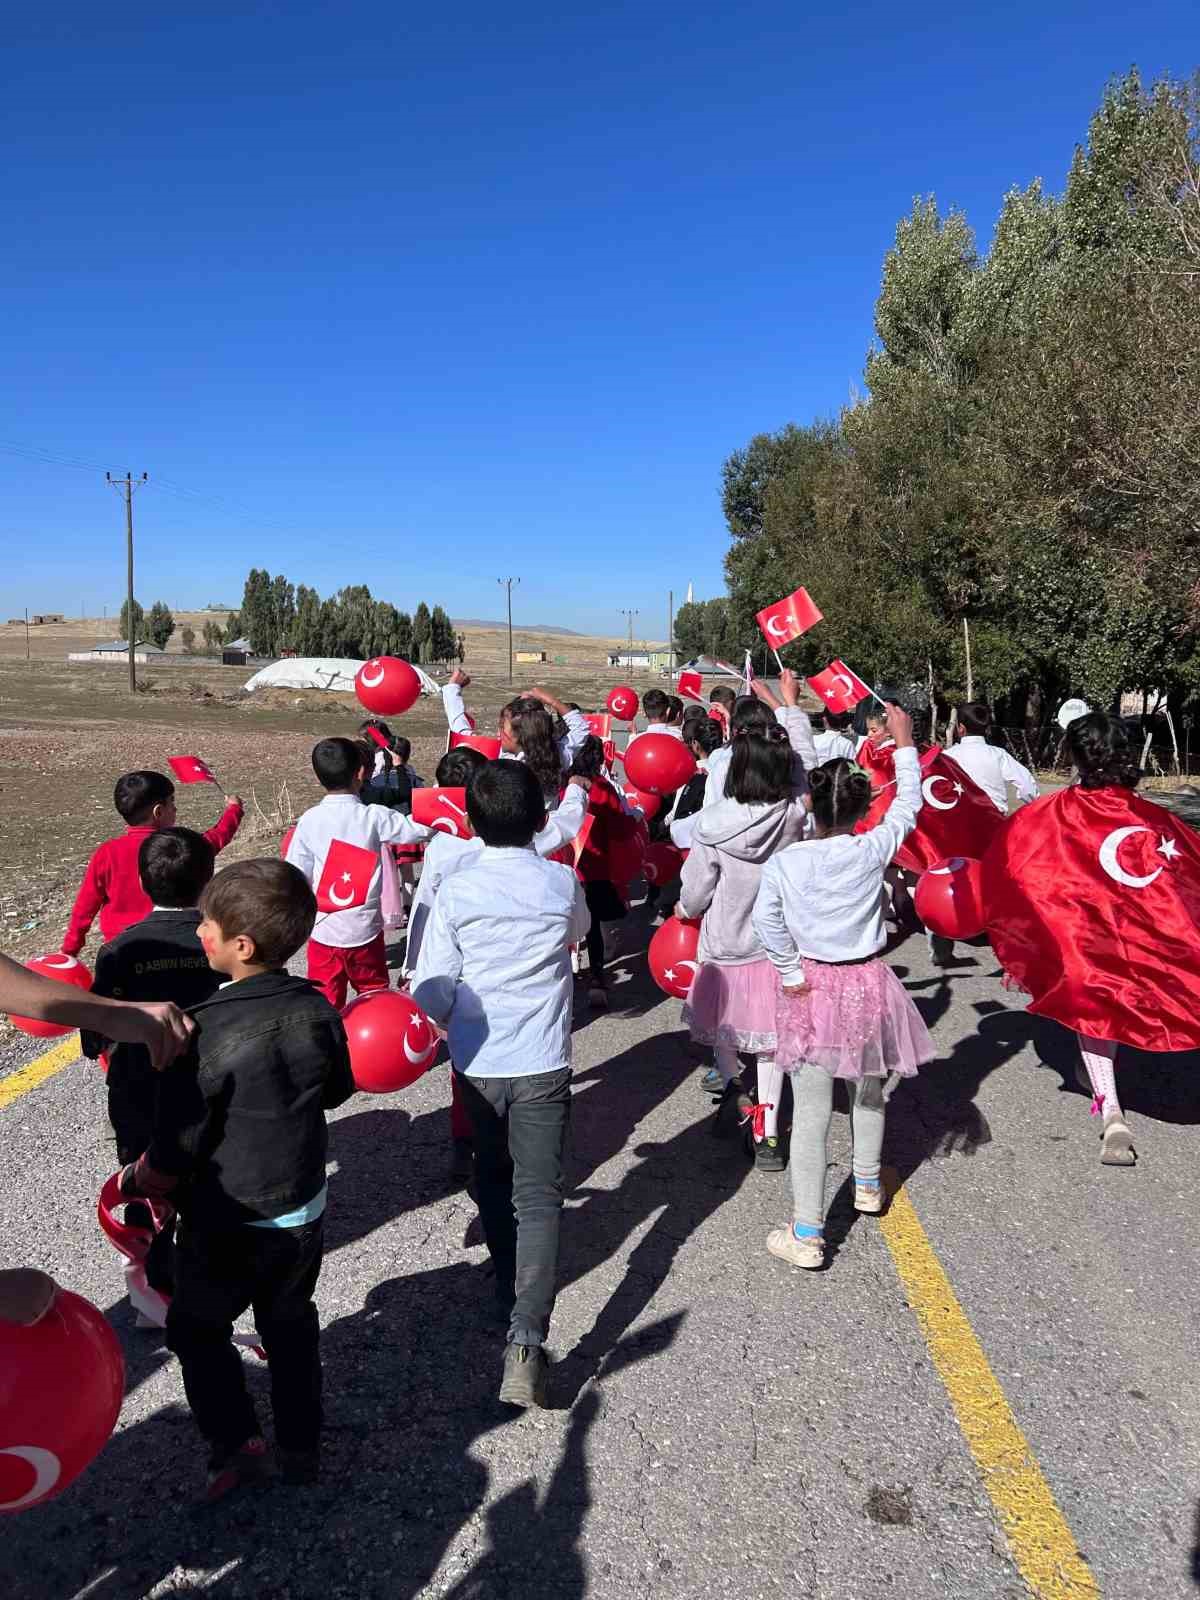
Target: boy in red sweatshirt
<point>111,886</point>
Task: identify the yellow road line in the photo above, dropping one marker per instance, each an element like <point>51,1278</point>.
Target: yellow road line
<point>45,1066</point>
<point>1038,1535</point>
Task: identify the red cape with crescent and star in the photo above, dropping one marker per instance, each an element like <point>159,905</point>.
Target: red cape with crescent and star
<point>955,819</point>
<point>1092,899</point>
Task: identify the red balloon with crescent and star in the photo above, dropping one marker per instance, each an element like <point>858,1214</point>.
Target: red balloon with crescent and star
<point>386,686</point>
<point>63,969</point>
<point>392,1041</point>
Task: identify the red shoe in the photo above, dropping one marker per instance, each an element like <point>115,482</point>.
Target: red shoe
<point>247,1464</point>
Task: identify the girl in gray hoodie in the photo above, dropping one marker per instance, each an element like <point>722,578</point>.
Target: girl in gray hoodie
<point>733,1000</point>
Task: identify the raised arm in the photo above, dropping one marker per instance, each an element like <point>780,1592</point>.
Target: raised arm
<point>452,702</point>
<point>901,816</point>
<point>226,825</point>
<point>565,821</point>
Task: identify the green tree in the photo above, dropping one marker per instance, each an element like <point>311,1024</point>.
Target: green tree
<point>233,627</point>
<point>689,629</point>
<point>304,635</point>
<point>422,633</point>
<point>460,648</point>
<point>160,624</point>
<point>257,618</point>
<point>283,612</point>
<point>212,636</point>
<point>138,629</point>
<point>442,640</point>
<point>188,636</point>
<point>404,636</point>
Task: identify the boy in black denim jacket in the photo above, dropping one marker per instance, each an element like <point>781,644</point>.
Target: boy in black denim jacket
<point>239,1149</point>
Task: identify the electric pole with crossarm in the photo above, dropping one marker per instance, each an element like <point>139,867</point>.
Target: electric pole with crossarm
<point>126,486</point>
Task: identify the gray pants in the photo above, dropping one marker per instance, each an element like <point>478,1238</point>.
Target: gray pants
<point>812,1113</point>
<point>520,1129</point>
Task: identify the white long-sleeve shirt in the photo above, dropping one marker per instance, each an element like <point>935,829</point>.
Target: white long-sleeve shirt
<point>823,898</point>
<point>993,769</point>
<point>446,853</point>
<point>495,963</point>
<point>344,817</point>
<point>568,745</point>
<point>800,736</point>
<point>670,728</point>
<point>831,744</point>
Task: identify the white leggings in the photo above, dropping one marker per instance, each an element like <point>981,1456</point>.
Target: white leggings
<point>770,1084</point>
<point>812,1113</point>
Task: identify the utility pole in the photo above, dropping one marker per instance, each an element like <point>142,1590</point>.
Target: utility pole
<point>506,584</point>
<point>630,615</point>
<point>126,486</point>
<point>27,633</point>
<point>967,650</point>
<point>671,631</point>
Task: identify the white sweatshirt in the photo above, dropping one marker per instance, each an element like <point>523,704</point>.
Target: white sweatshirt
<point>344,817</point>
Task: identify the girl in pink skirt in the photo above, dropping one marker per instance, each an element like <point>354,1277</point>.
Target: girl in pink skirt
<point>842,1012</point>
<point>733,1000</point>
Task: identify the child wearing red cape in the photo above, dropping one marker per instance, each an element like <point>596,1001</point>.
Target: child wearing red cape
<point>1092,898</point>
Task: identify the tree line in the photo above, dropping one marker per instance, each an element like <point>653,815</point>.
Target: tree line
<point>277,615</point>
<point>1025,458</point>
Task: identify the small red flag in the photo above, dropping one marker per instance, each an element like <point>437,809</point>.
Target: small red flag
<point>569,854</point>
<point>442,809</point>
<point>476,741</point>
<point>838,688</point>
<point>690,685</point>
<point>600,723</point>
<point>190,769</point>
<point>345,881</point>
<point>788,618</point>
<point>1092,900</point>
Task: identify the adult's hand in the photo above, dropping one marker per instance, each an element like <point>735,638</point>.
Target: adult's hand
<point>159,1025</point>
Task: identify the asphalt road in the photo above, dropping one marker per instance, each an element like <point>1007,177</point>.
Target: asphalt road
<point>721,1424</point>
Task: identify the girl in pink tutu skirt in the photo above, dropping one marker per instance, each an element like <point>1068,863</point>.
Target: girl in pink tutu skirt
<point>842,1012</point>
<point>733,1000</point>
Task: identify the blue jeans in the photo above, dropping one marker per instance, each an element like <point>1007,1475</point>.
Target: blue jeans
<point>520,1129</point>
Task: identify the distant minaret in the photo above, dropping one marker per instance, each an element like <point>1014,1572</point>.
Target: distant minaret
<point>688,601</point>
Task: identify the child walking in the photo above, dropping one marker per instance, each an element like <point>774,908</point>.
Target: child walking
<point>841,1012</point>
<point>347,947</point>
<point>239,1149</point>
<point>732,1002</point>
<point>146,802</point>
<point>609,860</point>
<point>495,968</point>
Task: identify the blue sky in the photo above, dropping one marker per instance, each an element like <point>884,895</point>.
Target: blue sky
<point>421,299</point>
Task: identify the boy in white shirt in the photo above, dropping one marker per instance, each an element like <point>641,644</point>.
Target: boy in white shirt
<point>992,768</point>
<point>337,845</point>
<point>495,969</point>
<point>836,739</point>
<point>660,716</point>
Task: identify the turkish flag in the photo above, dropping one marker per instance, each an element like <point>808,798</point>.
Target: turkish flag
<point>690,685</point>
<point>442,809</point>
<point>600,723</point>
<point>345,881</point>
<point>569,854</point>
<point>475,741</point>
<point>838,688</point>
<point>190,769</point>
<point>788,618</point>
<point>1092,901</point>
<point>610,752</point>
<point>956,817</point>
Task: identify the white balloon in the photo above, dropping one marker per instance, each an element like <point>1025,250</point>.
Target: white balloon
<point>47,1470</point>
<point>1108,859</point>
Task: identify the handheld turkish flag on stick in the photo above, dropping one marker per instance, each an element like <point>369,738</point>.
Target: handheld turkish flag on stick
<point>190,769</point>
<point>1092,900</point>
<point>689,685</point>
<point>442,809</point>
<point>600,723</point>
<point>475,741</point>
<point>345,881</point>
<point>788,618</point>
<point>838,688</point>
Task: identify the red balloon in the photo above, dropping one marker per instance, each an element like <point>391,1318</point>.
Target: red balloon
<point>386,686</point>
<point>662,863</point>
<point>648,804</point>
<point>65,969</point>
<point>61,1382</point>
<point>622,702</point>
<point>286,840</point>
<point>659,762</point>
<point>949,900</point>
<point>672,956</point>
<point>392,1041</point>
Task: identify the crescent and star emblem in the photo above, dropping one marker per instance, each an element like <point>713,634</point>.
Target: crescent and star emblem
<point>365,677</point>
<point>670,973</point>
<point>941,805</point>
<point>1167,848</point>
<point>62,963</point>
<point>47,1470</point>
<point>339,900</point>
<point>776,627</point>
<point>422,1054</point>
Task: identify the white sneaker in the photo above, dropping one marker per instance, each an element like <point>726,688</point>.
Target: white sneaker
<point>869,1198</point>
<point>807,1253</point>
<point>1116,1146</point>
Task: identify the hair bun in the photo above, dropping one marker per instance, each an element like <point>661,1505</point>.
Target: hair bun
<point>820,780</point>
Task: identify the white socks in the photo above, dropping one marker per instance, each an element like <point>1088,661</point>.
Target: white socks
<point>1099,1058</point>
<point>770,1087</point>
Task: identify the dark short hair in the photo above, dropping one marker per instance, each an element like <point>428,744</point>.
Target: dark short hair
<point>588,761</point>
<point>458,766</point>
<point>722,695</point>
<point>694,710</point>
<point>760,768</point>
<point>137,794</point>
<point>655,704</point>
<point>837,721</point>
<point>1102,753</point>
<point>708,734</point>
<point>265,900</point>
<point>174,865</point>
<point>975,717</point>
<point>505,804</point>
<point>337,762</point>
<point>674,708</point>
